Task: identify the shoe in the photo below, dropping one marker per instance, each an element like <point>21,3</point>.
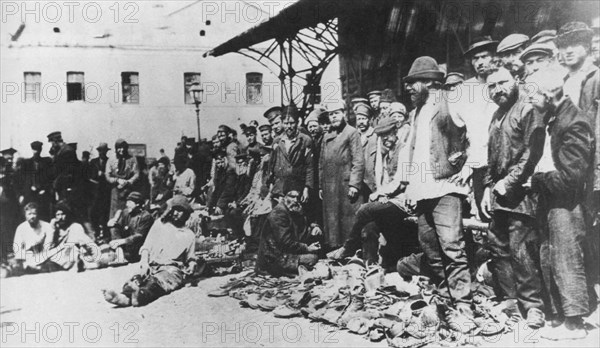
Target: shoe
<point>535,318</point>
<point>337,254</point>
<point>353,309</point>
<point>218,293</point>
<point>459,322</point>
<point>409,342</point>
<point>358,325</point>
<point>285,311</point>
<point>562,333</point>
<point>376,334</point>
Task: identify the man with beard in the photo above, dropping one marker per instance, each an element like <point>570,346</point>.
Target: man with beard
<point>35,182</point>
<point>32,238</point>
<point>436,153</point>
<point>273,115</point>
<point>341,172</point>
<point>291,161</point>
<point>168,256</point>
<point>71,246</point>
<point>129,228</point>
<point>368,140</point>
<point>515,147</point>
<point>243,183</point>
<point>562,189</point>
<point>509,50</point>
<point>288,241</point>
<point>474,110</point>
<point>386,209</point>
<point>325,123</point>
<point>121,173</point>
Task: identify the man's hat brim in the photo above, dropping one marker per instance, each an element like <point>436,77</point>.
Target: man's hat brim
<point>435,75</point>
<point>488,45</point>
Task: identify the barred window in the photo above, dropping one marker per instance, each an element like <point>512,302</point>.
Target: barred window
<point>32,90</point>
<point>131,87</point>
<point>254,88</point>
<point>75,86</point>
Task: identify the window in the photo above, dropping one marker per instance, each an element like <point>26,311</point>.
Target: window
<point>32,90</point>
<point>189,80</point>
<point>75,86</point>
<point>254,88</point>
<point>131,87</point>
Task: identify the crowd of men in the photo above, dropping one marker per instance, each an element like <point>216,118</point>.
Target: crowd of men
<point>515,146</point>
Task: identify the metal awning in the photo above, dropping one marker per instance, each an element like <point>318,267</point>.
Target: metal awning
<point>288,22</point>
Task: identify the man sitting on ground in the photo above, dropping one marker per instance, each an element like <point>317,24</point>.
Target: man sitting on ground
<point>129,227</point>
<point>287,241</point>
<point>167,257</point>
<point>32,239</point>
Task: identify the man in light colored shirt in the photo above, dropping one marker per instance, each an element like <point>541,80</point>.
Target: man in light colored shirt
<point>435,154</point>
<point>473,108</point>
<point>184,178</point>
<point>32,238</point>
<point>167,257</point>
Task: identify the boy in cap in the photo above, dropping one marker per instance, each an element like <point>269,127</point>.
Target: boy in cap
<point>167,258</point>
<point>129,227</point>
<point>273,115</point>
<point>509,50</point>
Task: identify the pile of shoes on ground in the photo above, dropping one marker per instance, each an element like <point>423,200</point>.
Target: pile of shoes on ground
<point>367,302</point>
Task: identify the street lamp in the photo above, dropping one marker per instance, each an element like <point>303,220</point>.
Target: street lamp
<point>196,92</point>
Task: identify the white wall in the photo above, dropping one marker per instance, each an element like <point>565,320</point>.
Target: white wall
<point>158,120</point>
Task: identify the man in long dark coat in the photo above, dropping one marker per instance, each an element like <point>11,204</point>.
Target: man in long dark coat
<point>341,170</point>
<point>35,182</point>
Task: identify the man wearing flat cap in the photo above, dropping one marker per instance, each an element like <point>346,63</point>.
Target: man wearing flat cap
<point>537,56</point>
<point>224,133</point>
<point>341,173</point>
<point>385,210</point>
<point>67,184</point>
<point>436,152</point>
<point>291,164</point>
<point>122,172</point>
<point>314,207</point>
<point>582,85</point>
<point>129,228</point>
<point>243,183</point>
<point>273,115</point>
<point>453,79</point>
<point>509,50</point>
<point>374,99</point>
<point>35,181</point>
<point>266,134</point>
<point>100,209</point>
<point>368,140</point>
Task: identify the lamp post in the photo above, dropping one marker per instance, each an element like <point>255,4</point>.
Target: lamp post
<point>196,92</point>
